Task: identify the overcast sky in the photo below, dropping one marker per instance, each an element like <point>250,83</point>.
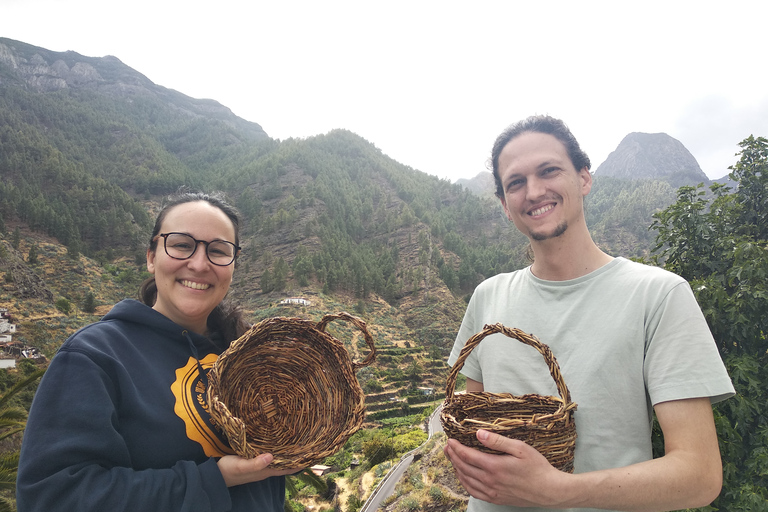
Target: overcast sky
<point>432,83</point>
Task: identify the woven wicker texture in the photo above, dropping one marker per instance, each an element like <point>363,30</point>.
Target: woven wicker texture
<point>544,422</point>
<point>288,388</point>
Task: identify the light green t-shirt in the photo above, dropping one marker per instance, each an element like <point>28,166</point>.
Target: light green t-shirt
<point>626,336</point>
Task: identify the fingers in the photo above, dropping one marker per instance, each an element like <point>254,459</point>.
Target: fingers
<point>237,470</point>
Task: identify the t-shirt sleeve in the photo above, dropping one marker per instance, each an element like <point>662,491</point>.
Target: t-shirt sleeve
<point>682,360</point>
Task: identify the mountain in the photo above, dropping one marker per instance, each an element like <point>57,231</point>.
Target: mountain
<point>482,184</point>
<point>44,71</point>
<point>655,156</point>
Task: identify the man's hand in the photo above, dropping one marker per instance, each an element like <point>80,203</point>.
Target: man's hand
<point>523,477</point>
<point>237,470</point>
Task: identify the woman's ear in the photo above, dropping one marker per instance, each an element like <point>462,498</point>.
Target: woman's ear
<point>150,261</point>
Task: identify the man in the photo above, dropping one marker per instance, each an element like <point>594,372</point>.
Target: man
<point>630,340</point>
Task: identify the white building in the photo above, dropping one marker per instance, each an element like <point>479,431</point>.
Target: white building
<point>295,300</point>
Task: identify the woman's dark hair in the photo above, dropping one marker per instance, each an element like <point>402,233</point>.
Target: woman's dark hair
<point>537,124</point>
<point>226,320</point>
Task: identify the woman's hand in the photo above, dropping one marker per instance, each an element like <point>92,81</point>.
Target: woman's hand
<point>237,470</point>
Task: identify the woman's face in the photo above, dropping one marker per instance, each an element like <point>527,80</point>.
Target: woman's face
<point>188,290</point>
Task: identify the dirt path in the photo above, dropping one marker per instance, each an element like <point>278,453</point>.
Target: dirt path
<point>367,484</point>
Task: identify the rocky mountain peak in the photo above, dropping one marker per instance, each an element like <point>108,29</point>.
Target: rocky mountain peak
<point>653,156</point>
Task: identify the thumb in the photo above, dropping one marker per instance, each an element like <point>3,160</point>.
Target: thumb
<point>500,443</point>
<point>262,461</point>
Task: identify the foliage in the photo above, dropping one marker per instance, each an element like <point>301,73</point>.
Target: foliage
<point>618,212</point>
<point>89,303</point>
<point>304,478</point>
<point>63,305</point>
<point>12,421</point>
<point>379,449</point>
<point>719,243</point>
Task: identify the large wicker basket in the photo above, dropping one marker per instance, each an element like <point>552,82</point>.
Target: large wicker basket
<point>544,422</point>
<point>288,388</point>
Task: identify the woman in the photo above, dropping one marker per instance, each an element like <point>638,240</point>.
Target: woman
<point>119,422</point>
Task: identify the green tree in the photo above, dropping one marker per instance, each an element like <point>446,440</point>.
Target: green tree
<point>16,239</point>
<point>266,282</point>
<point>719,243</point>
<point>89,303</point>
<point>13,419</point>
<point>280,274</point>
<point>378,449</point>
<point>32,255</point>
<point>302,266</point>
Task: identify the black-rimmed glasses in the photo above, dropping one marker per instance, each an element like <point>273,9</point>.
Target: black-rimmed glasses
<point>181,246</point>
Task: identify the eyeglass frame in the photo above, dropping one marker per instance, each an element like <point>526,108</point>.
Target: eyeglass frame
<point>165,236</point>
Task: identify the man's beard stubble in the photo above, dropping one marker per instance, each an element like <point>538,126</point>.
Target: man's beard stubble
<point>559,230</point>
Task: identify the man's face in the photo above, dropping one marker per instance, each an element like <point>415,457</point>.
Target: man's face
<point>543,192</point>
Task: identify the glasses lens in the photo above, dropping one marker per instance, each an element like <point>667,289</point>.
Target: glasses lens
<point>179,246</point>
<point>221,253</point>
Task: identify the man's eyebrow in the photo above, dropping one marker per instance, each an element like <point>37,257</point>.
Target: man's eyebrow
<point>548,163</point>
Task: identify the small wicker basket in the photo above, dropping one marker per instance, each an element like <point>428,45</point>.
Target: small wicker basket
<point>544,422</point>
<point>288,388</point>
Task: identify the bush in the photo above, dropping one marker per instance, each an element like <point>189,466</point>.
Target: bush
<point>63,305</point>
<point>436,494</point>
<point>410,504</point>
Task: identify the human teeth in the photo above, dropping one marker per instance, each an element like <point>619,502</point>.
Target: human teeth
<point>196,286</point>
<point>541,210</point>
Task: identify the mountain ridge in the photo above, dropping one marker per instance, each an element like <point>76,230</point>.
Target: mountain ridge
<point>43,70</point>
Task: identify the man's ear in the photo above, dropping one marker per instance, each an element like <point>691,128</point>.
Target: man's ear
<point>504,205</point>
<point>586,181</point>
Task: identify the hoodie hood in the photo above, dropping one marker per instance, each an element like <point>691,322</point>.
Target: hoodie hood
<point>135,312</point>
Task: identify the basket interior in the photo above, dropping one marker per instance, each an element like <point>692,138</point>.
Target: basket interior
<point>297,388</point>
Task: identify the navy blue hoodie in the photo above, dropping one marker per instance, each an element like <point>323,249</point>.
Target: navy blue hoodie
<point>120,423</point>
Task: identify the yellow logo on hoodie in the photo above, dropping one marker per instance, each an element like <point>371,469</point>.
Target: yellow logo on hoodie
<point>192,407</point>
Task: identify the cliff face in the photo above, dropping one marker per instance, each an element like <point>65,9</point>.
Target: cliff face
<point>654,156</point>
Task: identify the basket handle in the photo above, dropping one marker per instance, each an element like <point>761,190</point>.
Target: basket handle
<point>360,324</point>
<point>528,339</point>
